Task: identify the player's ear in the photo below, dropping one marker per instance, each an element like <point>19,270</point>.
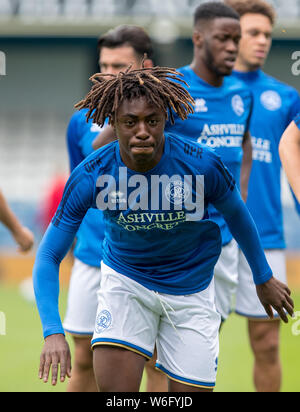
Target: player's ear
<point>198,38</point>
<point>111,121</point>
<point>148,63</point>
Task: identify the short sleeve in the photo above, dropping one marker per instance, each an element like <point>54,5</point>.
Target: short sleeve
<point>294,107</point>
<point>297,120</point>
<point>74,152</point>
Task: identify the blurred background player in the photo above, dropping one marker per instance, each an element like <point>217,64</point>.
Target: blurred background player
<point>289,150</point>
<point>118,49</point>
<point>220,121</point>
<point>21,234</point>
<point>275,106</point>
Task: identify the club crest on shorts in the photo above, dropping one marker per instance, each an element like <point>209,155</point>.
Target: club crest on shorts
<point>271,100</point>
<point>238,105</point>
<point>103,321</point>
<point>177,192</point>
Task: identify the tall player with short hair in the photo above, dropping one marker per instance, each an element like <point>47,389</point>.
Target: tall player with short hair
<point>118,48</point>
<point>160,245</point>
<point>220,121</point>
<point>275,106</point>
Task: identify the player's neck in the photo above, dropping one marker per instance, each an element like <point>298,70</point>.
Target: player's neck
<point>206,74</point>
<point>243,67</point>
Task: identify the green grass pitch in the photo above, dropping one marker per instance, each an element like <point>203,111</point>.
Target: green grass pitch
<point>21,346</point>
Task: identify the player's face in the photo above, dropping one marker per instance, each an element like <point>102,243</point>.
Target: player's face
<point>113,61</point>
<point>256,40</point>
<point>140,128</point>
<point>220,45</point>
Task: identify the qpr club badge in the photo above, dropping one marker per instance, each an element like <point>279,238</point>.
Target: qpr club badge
<point>177,192</point>
<point>238,105</point>
<point>271,100</point>
<point>103,321</point>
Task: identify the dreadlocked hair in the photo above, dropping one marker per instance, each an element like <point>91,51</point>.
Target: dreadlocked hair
<point>156,84</point>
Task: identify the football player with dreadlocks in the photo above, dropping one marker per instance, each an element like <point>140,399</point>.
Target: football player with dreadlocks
<point>160,246</point>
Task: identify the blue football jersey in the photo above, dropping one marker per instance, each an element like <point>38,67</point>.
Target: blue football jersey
<point>275,106</point>
<point>80,136</point>
<point>165,248</point>
<point>220,120</point>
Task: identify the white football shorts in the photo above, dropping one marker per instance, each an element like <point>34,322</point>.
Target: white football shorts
<point>185,329</point>
<point>226,278</point>
<point>247,302</point>
<point>82,299</point>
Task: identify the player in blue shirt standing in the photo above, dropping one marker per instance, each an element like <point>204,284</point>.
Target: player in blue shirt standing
<point>220,121</point>
<point>289,150</point>
<point>275,106</point>
<point>160,246</point>
<point>118,48</point>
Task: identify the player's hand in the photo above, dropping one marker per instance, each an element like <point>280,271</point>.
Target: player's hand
<point>25,239</point>
<point>277,295</point>
<point>56,351</point>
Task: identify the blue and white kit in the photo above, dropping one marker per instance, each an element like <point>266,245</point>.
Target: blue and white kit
<point>275,106</point>
<point>159,240</point>
<point>86,274</point>
<point>220,121</point>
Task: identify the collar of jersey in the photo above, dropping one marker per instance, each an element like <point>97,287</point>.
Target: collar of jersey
<point>253,75</point>
<point>203,83</point>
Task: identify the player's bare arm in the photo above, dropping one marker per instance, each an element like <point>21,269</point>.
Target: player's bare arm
<point>22,235</point>
<point>105,137</point>
<point>246,165</point>
<point>289,150</point>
